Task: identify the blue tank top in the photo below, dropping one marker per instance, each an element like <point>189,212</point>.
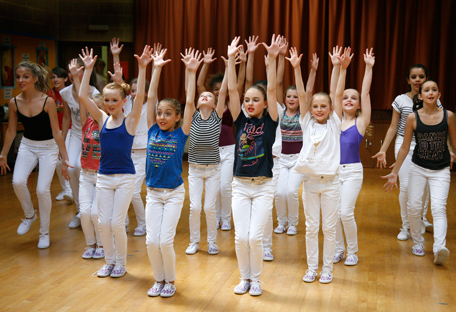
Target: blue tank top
<point>116,150</point>
<point>350,141</point>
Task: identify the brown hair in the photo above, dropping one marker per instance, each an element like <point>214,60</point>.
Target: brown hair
<point>39,72</point>
<point>123,88</point>
<point>177,109</point>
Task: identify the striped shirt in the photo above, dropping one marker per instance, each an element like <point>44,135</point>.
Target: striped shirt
<point>203,146</point>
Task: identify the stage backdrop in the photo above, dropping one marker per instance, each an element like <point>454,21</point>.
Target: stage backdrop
<point>402,33</point>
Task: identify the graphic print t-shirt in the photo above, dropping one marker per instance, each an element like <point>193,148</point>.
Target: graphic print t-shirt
<point>91,151</point>
<point>164,158</point>
<point>254,139</point>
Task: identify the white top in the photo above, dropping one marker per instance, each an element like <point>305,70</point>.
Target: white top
<point>67,96</point>
<point>141,134</point>
<point>320,153</point>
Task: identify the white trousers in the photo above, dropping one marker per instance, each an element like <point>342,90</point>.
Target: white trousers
<point>287,191</point>
<point>88,207</point>
<point>223,206</point>
<point>439,183</point>
<point>30,153</point>
<point>139,161</point>
<point>321,194</point>
<point>114,193</point>
<point>163,210</point>
<point>403,183</point>
<point>267,236</point>
<point>58,170</point>
<point>351,181</point>
<point>252,206</point>
<point>203,177</point>
<point>74,156</point>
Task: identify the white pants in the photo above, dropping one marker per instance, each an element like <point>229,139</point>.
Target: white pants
<point>74,156</point>
<point>139,160</point>
<point>287,191</point>
<point>252,206</point>
<point>223,207</point>
<point>403,183</point>
<point>114,193</point>
<point>202,177</point>
<point>321,194</point>
<point>267,235</point>
<point>163,210</point>
<point>439,183</point>
<point>58,169</point>
<point>30,153</point>
<point>351,181</point>
<point>88,207</point>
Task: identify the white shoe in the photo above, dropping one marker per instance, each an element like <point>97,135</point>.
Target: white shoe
<point>310,276</point>
<point>292,230</point>
<point>25,225</point>
<point>140,231</point>
<point>168,290</point>
<point>403,235</point>
<point>428,225</point>
<point>339,256</point>
<point>441,255</point>
<point>267,254</point>
<point>192,249</point>
<point>155,290</point>
<point>255,288</point>
<point>75,222</point>
<point>212,249</point>
<point>43,242</point>
<point>242,287</point>
<point>326,277</point>
<point>68,196</point>
<point>60,196</point>
<point>280,229</point>
<point>226,226</point>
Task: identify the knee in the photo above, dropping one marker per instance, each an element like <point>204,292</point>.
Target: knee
<point>152,245</point>
<point>195,208</point>
<point>19,184</point>
<point>42,191</point>
<point>225,189</point>
<point>255,240</point>
<point>347,215</point>
<point>312,230</point>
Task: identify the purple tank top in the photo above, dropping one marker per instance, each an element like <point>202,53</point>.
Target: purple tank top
<point>226,135</point>
<point>350,141</point>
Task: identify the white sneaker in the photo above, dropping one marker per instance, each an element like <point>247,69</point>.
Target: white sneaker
<point>68,196</point>
<point>292,230</point>
<point>60,196</point>
<point>43,242</point>
<point>118,271</point>
<point>25,225</point>
<point>326,277</point>
<point>99,253</point>
<point>212,249</point>
<point>267,254</point>
<point>351,260</point>
<point>168,290</point>
<point>140,231</point>
<point>339,256</point>
<point>255,288</point>
<point>418,250</point>
<point>310,276</point>
<point>280,229</point>
<point>89,253</point>
<point>242,287</point>
<point>155,290</point>
<point>428,225</point>
<point>226,226</point>
<point>192,249</point>
<point>75,222</point>
<point>441,255</point>
<point>403,235</point>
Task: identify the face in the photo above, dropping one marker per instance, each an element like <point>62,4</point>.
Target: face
<point>216,88</point>
<point>350,101</point>
<point>166,117</point>
<point>134,90</point>
<point>206,99</point>
<point>429,93</point>
<point>292,100</point>
<point>320,108</point>
<point>25,79</point>
<point>113,101</point>
<point>101,105</point>
<point>58,82</point>
<point>254,103</point>
<point>416,78</point>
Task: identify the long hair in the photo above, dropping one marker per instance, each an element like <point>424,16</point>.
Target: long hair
<point>37,71</point>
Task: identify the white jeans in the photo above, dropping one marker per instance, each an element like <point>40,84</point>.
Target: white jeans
<point>267,235</point>
<point>88,206</point>
<point>439,183</point>
<point>114,193</point>
<point>74,156</point>
<point>223,207</point>
<point>58,170</point>
<point>163,210</point>
<point>321,194</point>
<point>203,177</point>
<point>139,160</point>
<point>252,206</point>
<point>30,153</point>
<point>351,181</point>
<point>403,182</point>
<point>287,191</point>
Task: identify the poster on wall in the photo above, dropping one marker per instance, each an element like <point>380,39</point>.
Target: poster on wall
<point>7,66</point>
<point>42,56</point>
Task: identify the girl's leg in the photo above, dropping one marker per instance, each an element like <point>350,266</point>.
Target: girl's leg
<point>105,200</point>
<point>267,236</point>
<point>139,160</point>
<point>212,185</point>
<point>154,220</point>
<point>419,179</point>
<point>87,191</point>
<point>403,185</point>
<point>74,155</point>
<point>226,178</point>
<point>242,205</point>
<point>195,190</point>
<point>311,200</point>
<point>294,184</point>
<point>282,192</point>
<point>58,169</point>
<point>330,200</point>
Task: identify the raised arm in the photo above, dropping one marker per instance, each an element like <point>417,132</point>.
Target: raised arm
<point>185,58</point>
<point>296,64</point>
<point>241,75</point>
<point>281,69</point>
<point>208,58</point>
<point>89,62</point>
<point>273,52</point>
<point>234,103</point>
<point>222,93</point>
<point>365,115</point>
<point>192,66</point>
<point>345,60</point>
<point>115,50</point>
<point>118,73</point>
<point>311,79</point>
<point>335,71</point>
<point>75,72</point>
<point>252,45</point>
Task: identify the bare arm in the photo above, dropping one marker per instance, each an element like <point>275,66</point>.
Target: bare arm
<point>335,72</point>
<point>252,45</point>
<point>75,72</point>
<point>311,79</point>
<point>273,52</point>
<point>390,134</point>
<point>296,64</point>
<point>281,69</point>
<point>115,50</point>
<point>241,76</point>
<point>208,58</point>
<point>222,94</point>
<point>345,60</point>
<point>66,120</point>
<point>9,136</point>
<point>451,134</point>
<point>234,104</point>
<point>365,115</point>
<point>192,66</point>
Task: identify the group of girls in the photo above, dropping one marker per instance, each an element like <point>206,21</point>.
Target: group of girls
<point>319,145</point>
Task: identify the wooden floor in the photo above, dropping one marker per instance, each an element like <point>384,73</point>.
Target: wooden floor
<point>387,278</point>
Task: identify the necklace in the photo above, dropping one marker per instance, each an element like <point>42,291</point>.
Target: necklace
<point>317,134</point>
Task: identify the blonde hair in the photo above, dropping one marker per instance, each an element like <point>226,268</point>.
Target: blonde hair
<point>123,88</point>
<point>321,94</point>
<point>39,72</point>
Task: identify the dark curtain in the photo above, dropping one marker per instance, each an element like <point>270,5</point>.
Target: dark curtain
<point>402,33</point>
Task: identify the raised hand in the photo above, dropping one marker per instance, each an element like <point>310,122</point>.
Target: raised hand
<point>334,56</point>
<point>114,44</point>
<point>187,54</point>
<point>275,46</point>
<point>145,58</point>
<point>283,46</point>
<point>236,60</point>
<point>294,59</point>
<point>314,62</point>
<point>117,76</point>
<point>252,44</point>
<point>346,57</point>
<point>87,58</point>
<point>242,55</point>
<point>158,58</point>
<point>369,57</point>
<point>157,48</point>
<point>233,47</point>
<point>73,68</point>
<point>209,56</point>
<point>391,183</point>
<point>194,62</point>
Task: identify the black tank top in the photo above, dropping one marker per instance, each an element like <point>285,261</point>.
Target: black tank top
<point>38,127</point>
<point>431,150</point>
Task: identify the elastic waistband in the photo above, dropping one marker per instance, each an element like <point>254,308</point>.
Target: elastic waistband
<point>89,170</point>
<point>39,143</point>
